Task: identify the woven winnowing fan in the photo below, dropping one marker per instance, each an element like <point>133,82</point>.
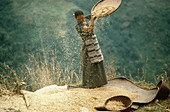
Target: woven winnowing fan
<point>105,7</point>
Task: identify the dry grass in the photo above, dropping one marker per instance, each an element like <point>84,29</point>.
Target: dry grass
<point>110,70</point>
<point>10,80</point>
<point>41,72</point>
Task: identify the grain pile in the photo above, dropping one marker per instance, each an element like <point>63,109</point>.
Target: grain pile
<point>4,91</point>
<point>115,105</point>
<point>102,11</point>
<point>72,100</point>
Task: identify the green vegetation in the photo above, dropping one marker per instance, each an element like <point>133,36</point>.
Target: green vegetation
<point>145,85</point>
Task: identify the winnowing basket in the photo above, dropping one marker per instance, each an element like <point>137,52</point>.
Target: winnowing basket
<point>105,7</point>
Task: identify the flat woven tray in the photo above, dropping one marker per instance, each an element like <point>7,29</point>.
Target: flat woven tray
<point>161,91</point>
<point>105,7</point>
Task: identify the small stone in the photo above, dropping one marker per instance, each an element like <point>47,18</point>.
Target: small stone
<point>156,101</point>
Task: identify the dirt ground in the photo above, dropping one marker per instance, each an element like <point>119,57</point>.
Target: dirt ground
<point>71,99</point>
